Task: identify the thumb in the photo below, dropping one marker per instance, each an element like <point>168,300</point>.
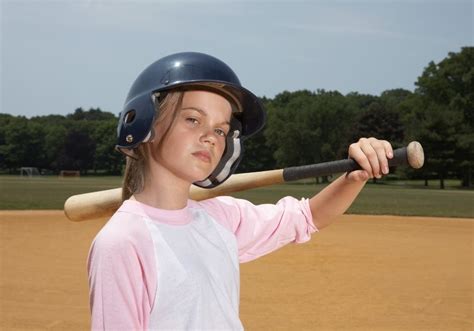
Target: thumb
<point>358,176</point>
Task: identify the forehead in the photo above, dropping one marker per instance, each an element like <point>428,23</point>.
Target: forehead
<point>211,103</point>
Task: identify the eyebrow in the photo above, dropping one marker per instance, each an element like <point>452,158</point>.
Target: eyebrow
<point>203,112</point>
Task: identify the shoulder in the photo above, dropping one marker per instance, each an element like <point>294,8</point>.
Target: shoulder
<point>123,232</point>
<point>219,202</point>
<point>217,205</point>
<point>225,210</point>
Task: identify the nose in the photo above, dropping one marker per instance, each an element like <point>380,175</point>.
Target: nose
<point>208,136</point>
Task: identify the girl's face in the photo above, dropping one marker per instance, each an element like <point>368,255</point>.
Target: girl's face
<point>196,141</point>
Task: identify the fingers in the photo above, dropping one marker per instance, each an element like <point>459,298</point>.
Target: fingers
<point>388,148</point>
<point>387,155</point>
<point>372,155</point>
<point>372,150</point>
<point>358,153</point>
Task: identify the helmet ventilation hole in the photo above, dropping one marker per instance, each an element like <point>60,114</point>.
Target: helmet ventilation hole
<point>129,116</point>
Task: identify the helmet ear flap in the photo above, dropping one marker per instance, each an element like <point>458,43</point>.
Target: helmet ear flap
<point>230,159</point>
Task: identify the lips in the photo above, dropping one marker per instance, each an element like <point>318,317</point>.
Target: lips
<point>204,156</point>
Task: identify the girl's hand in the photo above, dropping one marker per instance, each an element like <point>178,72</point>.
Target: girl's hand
<point>372,155</point>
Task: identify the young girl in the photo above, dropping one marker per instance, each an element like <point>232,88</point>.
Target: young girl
<point>166,262</point>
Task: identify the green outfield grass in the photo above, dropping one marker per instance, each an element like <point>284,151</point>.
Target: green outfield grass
<point>389,197</point>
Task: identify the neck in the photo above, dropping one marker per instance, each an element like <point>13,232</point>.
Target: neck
<point>165,191</point>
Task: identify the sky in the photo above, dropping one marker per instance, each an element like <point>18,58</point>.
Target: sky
<point>57,56</point>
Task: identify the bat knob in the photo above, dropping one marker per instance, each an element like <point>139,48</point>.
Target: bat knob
<point>415,155</point>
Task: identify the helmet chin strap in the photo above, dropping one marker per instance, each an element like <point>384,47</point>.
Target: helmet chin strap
<point>149,136</point>
<point>127,152</point>
<point>226,171</point>
<point>227,164</point>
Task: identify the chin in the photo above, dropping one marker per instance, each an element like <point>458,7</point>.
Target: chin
<point>199,176</point>
<point>200,172</point>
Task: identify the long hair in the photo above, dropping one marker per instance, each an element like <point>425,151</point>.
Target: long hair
<point>136,170</point>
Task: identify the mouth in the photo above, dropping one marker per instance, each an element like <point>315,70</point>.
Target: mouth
<point>204,156</point>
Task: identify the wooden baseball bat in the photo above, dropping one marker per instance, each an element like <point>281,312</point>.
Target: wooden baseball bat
<point>102,204</point>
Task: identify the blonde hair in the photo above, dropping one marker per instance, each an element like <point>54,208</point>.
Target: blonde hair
<point>136,169</point>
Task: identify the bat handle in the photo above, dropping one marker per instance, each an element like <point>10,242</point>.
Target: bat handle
<point>411,155</point>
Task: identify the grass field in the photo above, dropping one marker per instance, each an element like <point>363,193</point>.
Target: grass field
<point>389,197</point>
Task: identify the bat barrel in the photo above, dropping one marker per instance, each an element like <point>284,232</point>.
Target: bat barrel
<point>94,205</point>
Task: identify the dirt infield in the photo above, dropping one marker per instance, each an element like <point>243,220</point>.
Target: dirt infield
<point>362,273</point>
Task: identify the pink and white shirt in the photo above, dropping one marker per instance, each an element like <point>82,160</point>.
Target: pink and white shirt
<point>155,269</point>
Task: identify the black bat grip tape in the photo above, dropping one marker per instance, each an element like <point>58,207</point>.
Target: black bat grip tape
<point>329,168</point>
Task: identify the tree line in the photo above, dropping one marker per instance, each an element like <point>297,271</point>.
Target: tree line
<point>303,127</point>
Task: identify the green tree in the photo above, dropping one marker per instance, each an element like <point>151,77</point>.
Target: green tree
<point>22,144</point>
<point>5,120</point>
<point>105,156</point>
<point>379,122</point>
<point>93,114</point>
<point>78,149</point>
<point>54,140</point>
<point>54,133</point>
<point>447,95</point>
<point>358,101</point>
<point>258,155</point>
<point>292,128</point>
<point>392,99</point>
<point>308,127</point>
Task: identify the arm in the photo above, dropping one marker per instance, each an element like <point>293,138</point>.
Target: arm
<point>261,229</point>
<point>371,154</point>
<point>121,279</point>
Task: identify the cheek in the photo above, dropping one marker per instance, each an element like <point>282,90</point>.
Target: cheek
<point>221,148</point>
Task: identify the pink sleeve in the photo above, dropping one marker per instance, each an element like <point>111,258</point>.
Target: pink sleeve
<point>122,277</point>
<point>261,229</point>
